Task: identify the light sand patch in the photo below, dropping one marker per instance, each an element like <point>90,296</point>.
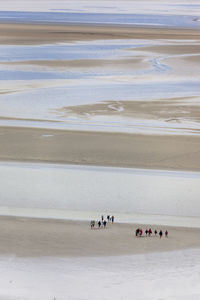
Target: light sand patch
<point>192,59</point>
<point>29,34</point>
<point>185,67</point>
<point>172,49</point>
<point>103,149</point>
<point>42,237</point>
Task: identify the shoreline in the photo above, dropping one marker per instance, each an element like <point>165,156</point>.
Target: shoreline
<point>64,215</point>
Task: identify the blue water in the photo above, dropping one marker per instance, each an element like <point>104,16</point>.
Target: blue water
<point>94,91</point>
<point>31,75</point>
<point>100,18</point>
<point>62,52</point>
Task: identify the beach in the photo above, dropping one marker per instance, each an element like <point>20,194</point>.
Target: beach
<point>99,106</point>
<point>30,237</point>
<point>50,259</point>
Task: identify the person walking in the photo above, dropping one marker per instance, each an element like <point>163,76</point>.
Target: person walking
<point>146,232</point>
<point>112,219</point>
<point>160,234</point>
<point>166,233</point>
<point>150,231</point>
<point>155,232</point>
<point>99,224</point>
<point>92,224</point>
<point>108,218</point>
<point>104,223</point>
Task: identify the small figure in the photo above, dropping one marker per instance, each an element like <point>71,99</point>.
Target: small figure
<point>155,232</point>
<point>102,218</point>
<point>92,224</point>
<point>160,234</point>
<point>150,231</point>
<point>99,224</point>
<point>104,223</point>
<point>146,232</point>
<point>166,233</point>
<point>137,232</point>
<point>112,219</point>
<point>108,218</point>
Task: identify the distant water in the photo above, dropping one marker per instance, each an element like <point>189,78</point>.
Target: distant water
<point>177,21</point>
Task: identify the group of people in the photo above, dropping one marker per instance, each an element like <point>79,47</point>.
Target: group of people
<point>149,232</point>
<point>103,222</point>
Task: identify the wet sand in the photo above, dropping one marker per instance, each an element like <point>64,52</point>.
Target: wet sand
<point>29,237</point>
<point>101,149</point>
<point>169,110</point>
<point>34,34</point>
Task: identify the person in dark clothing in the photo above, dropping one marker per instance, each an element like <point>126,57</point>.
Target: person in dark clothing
<point>166,233</point>
<point>112,219</point>
<point>155,232</point>
<point>108,218</point>
<point>104,223</point>
<point>146,232</point>
<point>150,231</point>
<point>160,234</point>
<point>99,224</point>
<point>102,218</point>
<point>137,232</point>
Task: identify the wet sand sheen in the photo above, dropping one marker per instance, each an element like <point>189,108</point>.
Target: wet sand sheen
<point>101,149</point>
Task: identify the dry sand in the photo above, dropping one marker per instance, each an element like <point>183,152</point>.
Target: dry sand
<point>103,149</point>
<point>44,237</point>
<point>20,34</point>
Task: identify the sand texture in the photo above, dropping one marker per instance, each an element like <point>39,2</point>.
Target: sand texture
<point>104,149</point>
<point>20,34</point>
<point>43,237</point>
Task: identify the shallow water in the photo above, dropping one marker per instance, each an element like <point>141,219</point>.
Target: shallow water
<point>99,189</point>
<point>101,18</point>
<point>40,92</point>
<point>44,91</point>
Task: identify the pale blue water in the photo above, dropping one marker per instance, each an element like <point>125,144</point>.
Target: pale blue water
<point>100,18</point>
<point>68,51</point>
<point>94,91</point>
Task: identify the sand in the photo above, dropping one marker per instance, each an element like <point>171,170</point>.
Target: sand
<point>174,109</point>
<point>103,149</point>
<point>30,237</point>
<point>35,34</point>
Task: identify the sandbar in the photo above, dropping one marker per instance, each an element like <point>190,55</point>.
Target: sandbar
<point>34,34</point>
<point>29,237</point>
<point>100,149</point>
